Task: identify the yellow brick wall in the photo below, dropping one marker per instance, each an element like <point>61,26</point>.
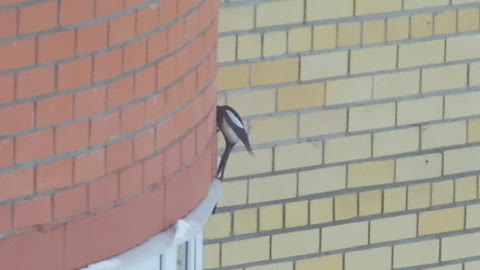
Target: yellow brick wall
<point>364,116</point>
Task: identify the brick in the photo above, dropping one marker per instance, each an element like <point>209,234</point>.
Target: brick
<point>56,46</point>
<point>28,82</point>
<point>363,7</point>
<point>419,110</point>
<point>284,127</point>
<point>473,217</point>
<point>251,250</point>
<point>253,103</point>
<point>73,12</point>
<point>72,137</point>
<point>296,214</point>
<point>418,196</point>
<point>344,236</point>
<point>108,7</point>
<point>75,74</point>
<point>236,18</point>
<point>38,17</point>
<point>347,148</point>
<point>92,37</point>
<point>70,203</point>
<point>218,226</point>
<point>273,72</point>
<point>299,39</point>
<point>349,34</point>
<point>54,110</point>
<point>145,83</point>
<point>121,29</point>
<point>321,210</point>
<point>328,9</point>
<point>462,246</point>
<point>418,167</point>
<point>324,37</point>
<point>461,105</point>
<point>373,32</point>
<point>349,90</point>
<point>373,59</point>
<point>393,228</point>
<point>463,47</point>
<point>135,55</point>
<point>468,19</point>
<point>107,65</point>
<point>421,53</point>
<point>301,96</point>
<point>434,79</point>
<point>371,173</point>
<point>245,221</point>
<point>421,25</point>
<point>440,221</point>
<point>395,141</point>
<point>345,206</point>
<point>132,118</point>
<point>298,155</point>
<point>468,266</point>
<point>103,191</point>
<point>417,253</point>
<point>234,193</point>
<point>272,188</point>
<point>89,166</point>
<point>466,188</point>
<point>105,128</point>
<point>370,202</point>
<point>8,20</point>
<point>474,73</point>
<point>89,102</point>
<point>16,183</point>
<point>231,77</point>
<point>395,199</point>
<point>17,54</point>
<point>473,130</point>
<point>331,262</point>
<point>6,213</point>
<point>412,4</point>
<point>321,180</point>
<point>271,217</point>
<point>171,161</point>
<point>276,266</point>
<point>306,242</point>
<point>131,181</point>
<point>8,83</point>
<point>153,170</point>
<point>398,28</point>
<point>227,48</point>
<point>32,212</point>
<point>452,133</point>
<point>279,13</point>
<point>34,146</point>
<point>211,256</point>
<point>241,163</point>
<point>372,116</point>
<point>249,46</point>
<point>445,22</point>
<point>461,160</point>
<point>23,119</point>
<point>323,122</point>
<point>274,43</point>
<point>323,65</point>
<point>442,192</point>
<point>372,259</point>
<point>7,152</point>
<point>53,175</point>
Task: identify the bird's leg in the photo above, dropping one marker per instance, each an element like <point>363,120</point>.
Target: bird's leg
<point>223,161</point>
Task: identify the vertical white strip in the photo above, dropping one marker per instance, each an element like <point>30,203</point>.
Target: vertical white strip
<point>169,261</point>
<point>199,252</point>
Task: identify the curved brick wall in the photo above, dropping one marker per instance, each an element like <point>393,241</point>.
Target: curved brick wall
<point>106,124</point>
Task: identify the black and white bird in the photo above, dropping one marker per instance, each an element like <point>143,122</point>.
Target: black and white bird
<point>231,125</point>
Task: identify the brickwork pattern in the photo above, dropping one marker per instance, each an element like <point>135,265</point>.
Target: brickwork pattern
<point>365,123</point>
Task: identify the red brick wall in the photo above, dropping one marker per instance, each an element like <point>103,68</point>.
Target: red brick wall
<point>107,132</point>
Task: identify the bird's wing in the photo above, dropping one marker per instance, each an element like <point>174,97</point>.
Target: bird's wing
<point>235,122</point>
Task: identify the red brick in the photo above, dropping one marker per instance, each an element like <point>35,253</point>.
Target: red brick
<point>107,65</point>
<point>8,88</point>
<point>146,20</point>
<point>192,25</point>
<point>155,108</point>
<point>172,160</point>
<point>32,212</point>
<point>75,73</point>
<point>120,92</point>
<point>54,110</point>
<point>6,153</point>
<point>184,6</point>
<point>153,171</point>
<point>167,11</point>
<point>38,17</point>
<point>173,97</point>
<point>19,53</point>
<point>70,203</point>
<point>16,183</point>
<point>132,118</point>
<point>188,149</point>
<point>144,144</point>
<point>157,46</point>
<point>204,132</point>
<point>34,146</point>
<point>108,7</point>
<point>56,46</point>
<point>23,119</point>
<point>145,82</point>
<point>53,175</point>
<point>103,191</point>
<point>74,11</point>
<point>105,128</point>
<point>89,166</point>
<point>135,55</point>
<point>35,82</point>
<point>202,76</point>
<point>176,36</point>
<point>166,72</point>
<point>131,181</point>
<point>72,137</point>
<point>8,23</point>
<point>133,3</point>
<point>92,37</point>
<point>119,155</point>
<point>165,134</point>
<point>122,29</point>
<point>6,218</point>
<point>90,102</point>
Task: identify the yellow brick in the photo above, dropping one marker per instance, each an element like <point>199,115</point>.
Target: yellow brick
<point>301,96</point>
<point>279,12</point>
<point>462,105</point>
<point>474,74</point>
<point>241,163</point>
<point>332,262</point>
<point>218,226</point>
<point>275,43</point>
<point>347,148</point>
<point>373,59</point>
<point>465,188</point>
<point>445,22</point>
<point>418,167</point>
<point>372,116</point>
<point>236,18</point>
<point>461,160</point>
<point>296,214</point>
<point>473,216</point>
<point>462,246</point>
<point>397,28</point>
<point>245,221</point>
<point>233,193</point>
<point>323,65</point>
<point>396,84</point>
<point>345,206</point>
<point>371,259</point>
<point>249,46</point>
<point>444,78</point>
<point>276,266</point>
<point>363,7</point>
<point>276,71</point>
<point>442,192</point>
<point>245,251</point>
<point>468,19</point>
<point>370,202</point>
<point>395,199</point>
<point>419,196</point>
<point>349,90</point>
<point>463,1</point>
<point>349,34</point>
<point>421,53</point>
<point>253,102</point>
<point>299,39</point>
<point>321,210</point>
<point>395,141</point>
<point>445,134</point>
<point>440,221</point>
<point>226,48</point>
<point>261,129</point>
<point>393,228</point>
<point>422,25</point>
<point>298,155</point>
<point>417,253</point>
<point>463,47</point>
<point>373,31</point>
<point>271,217</point>
<point>211,256</point>
<point>473,130</point>
<point>324,36</point>
<point>420,110</point>
<point>448,267</point>
<point>470,266</point>
<point>305,242</point>
<point>321,180</point>
<point>328,9</point>
<point>324,122</point>
<point>413,4</point>
<point>344,236</point>
<point>231,77</point>
<point>272,188</point>
<point>371,173</point>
